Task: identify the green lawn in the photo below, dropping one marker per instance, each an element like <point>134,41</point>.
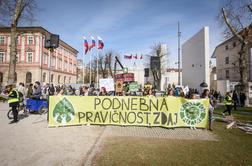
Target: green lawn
<point>241,114</point>
<point>234,147</point>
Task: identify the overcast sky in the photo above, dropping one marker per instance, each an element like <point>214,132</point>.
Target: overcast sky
<point>130,26</point>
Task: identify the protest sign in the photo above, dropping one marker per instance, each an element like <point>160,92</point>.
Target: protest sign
<point>108,83</point>
<point>166,112</point>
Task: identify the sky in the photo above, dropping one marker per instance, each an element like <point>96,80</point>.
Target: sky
<point>129,26</point>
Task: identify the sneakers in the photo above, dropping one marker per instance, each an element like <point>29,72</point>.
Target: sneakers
<point>13,121</point>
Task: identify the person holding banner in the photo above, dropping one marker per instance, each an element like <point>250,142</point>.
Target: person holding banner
<point>103,92</point>
<point>85,91</point>
<point>206,95</point>
<point>150,93</point>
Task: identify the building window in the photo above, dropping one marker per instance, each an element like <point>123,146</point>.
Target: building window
<point>45,59</point>
<point>74,70</point>
<point>59,63</point>
<point>226,47</point>
<point>65,66</point>
<point>234,44</point>
<point>1,57</point>
<point>69,80</point>
<point>64,79</point>
<point>227,60</point>
<point>30,40</point>
<point>28,77</point>
<point>29,57</point>
<point>2,39</point>
<point>227,74</point>
<point>58,78</point>
<point>70,67</point>
<point>44,77</point>
<point>52,78</point>
<point>53,59</point>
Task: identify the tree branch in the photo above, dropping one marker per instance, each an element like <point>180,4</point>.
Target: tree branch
<point>232,29</point>
<point>250,8</point>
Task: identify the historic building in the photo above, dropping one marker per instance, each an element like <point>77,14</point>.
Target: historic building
<point>227,65</point>
<point>33,59</point>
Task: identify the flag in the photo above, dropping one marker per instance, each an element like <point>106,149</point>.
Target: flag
<point>127,56</point>
<point>93,43</point>
<point>135,56</point>
<point>141,57</point>
<point>100,43</point>
<point>85,44</point>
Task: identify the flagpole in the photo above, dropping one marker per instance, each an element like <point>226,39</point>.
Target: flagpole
<point>97,77</point>
<point>83,71</point>
<point>90,73</point>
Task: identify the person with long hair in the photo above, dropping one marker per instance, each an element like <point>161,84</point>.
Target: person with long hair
<point>103,92</point>
<point>150,93</point>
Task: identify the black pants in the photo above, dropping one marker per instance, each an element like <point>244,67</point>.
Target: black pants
<point>228,109</point>
<point>15,113</point>
<point>235,105</point>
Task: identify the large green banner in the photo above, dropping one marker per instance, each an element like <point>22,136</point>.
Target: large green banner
<point>167,112</point>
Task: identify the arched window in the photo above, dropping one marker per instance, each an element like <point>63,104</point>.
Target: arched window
<point>44,77</point>
<point>69,80</point>
<point>64,79</point>
<point>28,77</point>
<point>58,78</point>
<point>52,78</point>
<point>1,77</point>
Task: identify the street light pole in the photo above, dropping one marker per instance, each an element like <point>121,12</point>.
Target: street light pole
<point>50,66</point>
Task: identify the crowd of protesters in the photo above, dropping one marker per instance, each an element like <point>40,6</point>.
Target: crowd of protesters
<point>42,92</point>
<point>38,91</point>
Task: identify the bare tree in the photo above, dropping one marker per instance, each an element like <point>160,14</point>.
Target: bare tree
<point>237,18</point>
<point>103,66</point>
<point>111,60</point>
<point>11,13</point>
<point>156,50</point>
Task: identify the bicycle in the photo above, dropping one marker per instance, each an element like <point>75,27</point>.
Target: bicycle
<point>20,107</point>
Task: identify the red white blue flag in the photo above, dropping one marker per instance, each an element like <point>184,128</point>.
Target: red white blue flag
<point>85,44</point>
<point>100,43</point>
<point>127,56</point>
<point>135,56</point>
<point>93,43</point>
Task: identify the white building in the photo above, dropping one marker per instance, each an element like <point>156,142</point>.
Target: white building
<point>169,77</point>
<point>195,59</point>
<point>138,74</point>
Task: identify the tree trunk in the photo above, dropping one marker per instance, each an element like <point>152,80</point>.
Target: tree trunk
<point>110,66</point>
<point>13,53</point>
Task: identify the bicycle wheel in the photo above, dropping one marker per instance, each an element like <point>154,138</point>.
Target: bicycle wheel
<point>10,115</point>
<point>42,110</point>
